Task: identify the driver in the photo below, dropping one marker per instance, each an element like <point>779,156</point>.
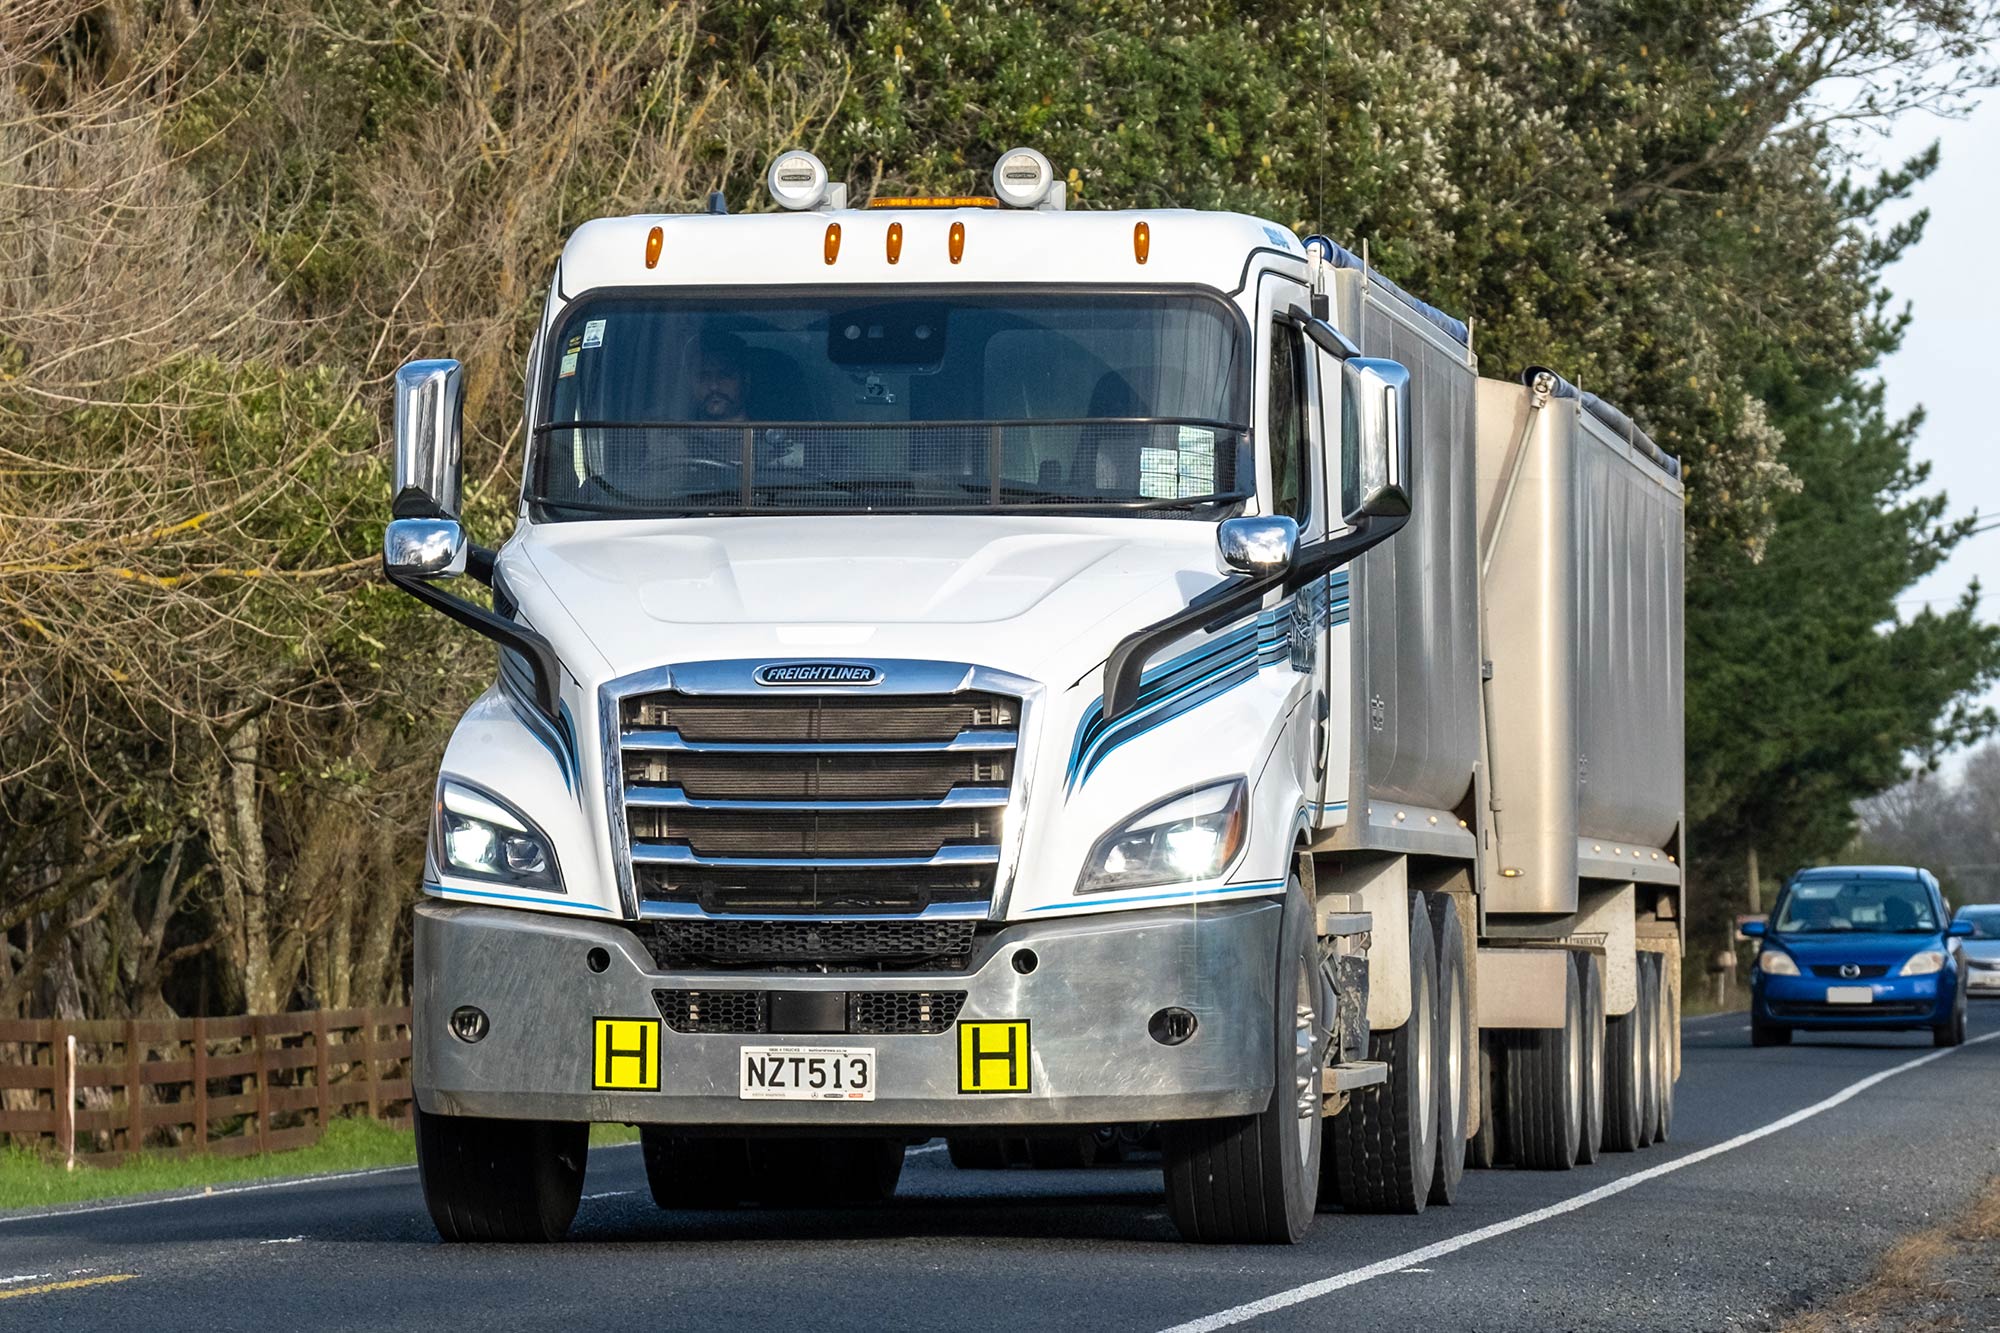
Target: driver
<point>720,381</point>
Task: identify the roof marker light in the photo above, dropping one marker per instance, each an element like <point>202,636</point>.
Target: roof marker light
<point>957,244</point>
<point>1023,178</point>
<point>1142,241</point>
<point>832,241</point>
<point>654,239</point>
<point>798,181</point>
<point>895,241</point>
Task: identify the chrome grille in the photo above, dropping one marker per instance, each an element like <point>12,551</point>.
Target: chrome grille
<point>801,802</point>
<point>871,1013</point>
<point>886,944</point>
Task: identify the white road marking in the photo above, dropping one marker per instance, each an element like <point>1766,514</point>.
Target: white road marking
<point>205,1194</point>
<point>608,1194</point>
<point>928,1147</point>
<point>282,1240</point>
<point>25,1277</point>
<point>1283,1300</point>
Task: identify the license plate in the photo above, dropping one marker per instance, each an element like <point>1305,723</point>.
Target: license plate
<point>1850,995</point>
<point>807,1074</point>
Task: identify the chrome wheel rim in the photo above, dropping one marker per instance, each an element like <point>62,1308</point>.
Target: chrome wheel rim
<point>1305,1062</point>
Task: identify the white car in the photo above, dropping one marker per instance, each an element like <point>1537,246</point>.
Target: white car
<point>1981,952</point>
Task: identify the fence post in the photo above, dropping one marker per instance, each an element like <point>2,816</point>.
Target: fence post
<point>201,1085</point>
<point>368,1060</point>
<point>63,1092</point>
<point>320,1065</point>
<point>135,1125</point>
<point>263,1086</point>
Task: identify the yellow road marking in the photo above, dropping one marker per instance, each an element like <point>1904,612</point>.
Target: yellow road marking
<point>73,1283</point>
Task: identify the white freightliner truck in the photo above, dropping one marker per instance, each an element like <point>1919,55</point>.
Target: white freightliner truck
<point>974,668</point>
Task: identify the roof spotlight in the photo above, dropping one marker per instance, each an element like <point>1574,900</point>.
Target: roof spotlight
<point>1023,178</point>
<point>797,181</point>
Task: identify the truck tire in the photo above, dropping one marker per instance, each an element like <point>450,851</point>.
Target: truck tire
<point>976,1154</point>
<point>700,1173</point>
<point>1669,1033</point>
<point>1254,1179</point>
<point>1485,1149</point>
<point>500,1180</point>
<point>1545,1086</point>
<point>1625,1073</point>
<point>1590,1141</point>
<point>1649,1052</point>
<point>824,1172</point>
<point>1456,1050</point>
<point>1385,1143</point>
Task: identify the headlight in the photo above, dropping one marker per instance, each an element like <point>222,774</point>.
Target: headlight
<point>1183,838</point>
<point>1923,964</point>
<point>477,836</point>
<point>1776,963</point>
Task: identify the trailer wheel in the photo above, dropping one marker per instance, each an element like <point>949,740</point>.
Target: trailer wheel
<point>1624,1076</point>
<point>1254,1179</point>
<point>1545,1086</point>
<point>1385,1142</point>
<point>687,1172</point>
<point>1590,1140</point>
<point>976,1154</point>
<point>1456,1049</point>
<point>500,1180</point>
<point>1485,1149</point>
<point>1663,1065</point>
<point>1649,1052</point>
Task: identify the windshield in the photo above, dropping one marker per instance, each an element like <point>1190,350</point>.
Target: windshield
<point>1109,401</point>
<point>1882,906</point>
<point>1985,921</point>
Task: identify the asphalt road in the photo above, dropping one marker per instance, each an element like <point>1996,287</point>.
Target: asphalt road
<point>1789,1172</point>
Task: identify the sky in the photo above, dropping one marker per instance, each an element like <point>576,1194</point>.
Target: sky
<point>1951,280</point>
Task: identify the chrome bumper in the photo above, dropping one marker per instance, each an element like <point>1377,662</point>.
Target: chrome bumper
<point>1097,982</point>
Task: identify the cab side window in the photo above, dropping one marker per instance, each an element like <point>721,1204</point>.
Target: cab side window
<point>1290,436</point>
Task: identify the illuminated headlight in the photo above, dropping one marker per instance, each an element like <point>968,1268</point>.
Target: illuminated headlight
<point>1184,838</point>
<point>1776,963</point>
<point>477,836</point>
<point>1923,964</point>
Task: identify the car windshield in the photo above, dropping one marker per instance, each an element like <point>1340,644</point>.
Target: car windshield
<point>1985,922</point>
<point>1085,400</point>
<point>1879,906</point>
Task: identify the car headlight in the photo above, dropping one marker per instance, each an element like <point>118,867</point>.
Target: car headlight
<point>1923,964</point>
<point>1183,838</point>
<point>477,835</point>
<point>1776,963</point>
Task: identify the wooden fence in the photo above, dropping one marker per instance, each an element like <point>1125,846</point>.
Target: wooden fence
<point>195,1085</point>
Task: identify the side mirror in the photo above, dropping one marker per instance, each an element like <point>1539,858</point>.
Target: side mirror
<point>1752,930</point>
<point>1374,439</point>
<point>426,548</point>
<point>1961,930</point>
<point>430,407</point>
<point>1256,546</point>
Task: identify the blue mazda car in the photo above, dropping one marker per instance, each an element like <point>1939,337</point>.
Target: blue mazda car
<point>1858,947</point>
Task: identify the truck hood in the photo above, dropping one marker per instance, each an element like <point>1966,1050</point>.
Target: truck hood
<point>1012,593</point>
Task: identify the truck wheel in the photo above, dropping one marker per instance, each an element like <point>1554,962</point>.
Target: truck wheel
<point>1649,1051</point>
<point>1769,1034</point>
<point>1484,1149</point>
<point>1545,1086</point>
<point>1255,1178</point>
<point>1590,1140</point>
<point>1457,1039</point>
<point>694,1172</point>
<point>1624,1076</point>
<point>970,1154</point>
<point>500,1180</point>
<point>1385,1142</point>
<point>1663,1064</point>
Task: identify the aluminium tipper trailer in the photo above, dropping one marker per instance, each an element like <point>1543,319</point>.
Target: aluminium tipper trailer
<point>1006,673</point>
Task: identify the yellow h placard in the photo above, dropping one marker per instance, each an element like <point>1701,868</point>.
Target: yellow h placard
<point>625,1055</point>
<point>993,1057</point>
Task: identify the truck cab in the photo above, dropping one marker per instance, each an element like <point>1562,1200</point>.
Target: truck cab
<point>929,702</point>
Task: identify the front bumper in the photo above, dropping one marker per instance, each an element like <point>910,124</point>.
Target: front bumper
<point>1897,1002</point>
<point>1982,980</point>
<point>1096,984</point>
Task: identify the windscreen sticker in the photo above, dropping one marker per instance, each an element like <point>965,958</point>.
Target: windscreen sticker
<point>593,333</point>
<point>570,354</point>
<point>1160,474</point>
<point>1197,463</point>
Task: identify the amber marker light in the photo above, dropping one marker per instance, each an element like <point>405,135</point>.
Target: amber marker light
<point>957,245</point>
<point>654,240</point>
<point>895,242</point>
<point>832,241</point>
<point>1142,241</point>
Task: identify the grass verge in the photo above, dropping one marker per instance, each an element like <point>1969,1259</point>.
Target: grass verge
<point>1947,1278</point>
<point>30,1181</point>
